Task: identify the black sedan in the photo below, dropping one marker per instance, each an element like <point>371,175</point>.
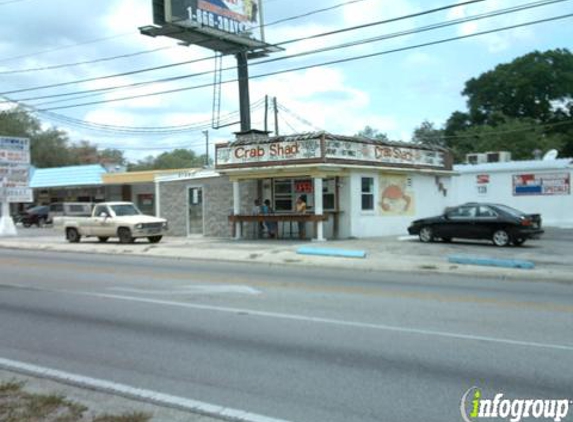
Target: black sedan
<point>36,215</point>
<point>501,224</point>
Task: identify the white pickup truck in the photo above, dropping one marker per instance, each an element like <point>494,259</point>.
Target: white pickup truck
<point>114,219</point>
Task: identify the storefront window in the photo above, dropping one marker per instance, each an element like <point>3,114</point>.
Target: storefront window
<point>283,195</point>
<point>328,195</point>
<point>367,194</point>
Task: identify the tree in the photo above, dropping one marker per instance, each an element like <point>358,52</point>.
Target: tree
<point>427,134</point>
<point>532,96</point>
<point>521,137</point>
<point>111,156</point>
<point>179,158</point>
<point>84,153</point>
<point>52,147</point>
<point>531,86</point>
<point>372,133</point>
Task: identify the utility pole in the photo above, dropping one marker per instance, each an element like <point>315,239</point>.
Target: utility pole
<point>244,100</point>
<point>276,109</point>
<point>206,133</point>
<point>266,113</point>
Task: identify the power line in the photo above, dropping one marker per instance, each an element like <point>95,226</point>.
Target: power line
<point>103,59</point>
<point>92,41</point>
<point>339,61</point>
<point>123,56</point>
<point>313,12</point>
<point>158,130</point>
<point>95,92</point>
<point>130,73</point>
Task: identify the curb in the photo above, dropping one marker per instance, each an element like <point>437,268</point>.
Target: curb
<point>491,262</point>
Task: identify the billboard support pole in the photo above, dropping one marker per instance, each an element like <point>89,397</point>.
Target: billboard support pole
<point>244,100</point>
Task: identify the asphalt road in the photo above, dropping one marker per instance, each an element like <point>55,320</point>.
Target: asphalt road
<point>299,344</point>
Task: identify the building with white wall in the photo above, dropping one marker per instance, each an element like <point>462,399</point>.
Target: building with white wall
<point>541,186</point>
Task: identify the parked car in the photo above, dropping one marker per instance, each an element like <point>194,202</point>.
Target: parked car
<point>115,219</point>
<point>502,224</point>
<point>37,215</point>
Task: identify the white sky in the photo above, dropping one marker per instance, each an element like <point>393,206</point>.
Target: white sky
<point>393,93</point>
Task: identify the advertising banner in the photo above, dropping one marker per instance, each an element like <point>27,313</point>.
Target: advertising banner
<point>239,17</point>
<point>542,184</point>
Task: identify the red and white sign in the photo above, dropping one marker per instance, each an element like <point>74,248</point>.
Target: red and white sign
<point>482,179</point>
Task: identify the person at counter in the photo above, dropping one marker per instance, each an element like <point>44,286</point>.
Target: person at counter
<point>300,208</point>
<point>272,226</point>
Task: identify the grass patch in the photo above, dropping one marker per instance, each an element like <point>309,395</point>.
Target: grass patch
<point>17,405</point>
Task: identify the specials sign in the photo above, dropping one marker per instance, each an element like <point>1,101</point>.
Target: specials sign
<point>15,169</point>
<point>237,17</point>
<point>542,184</point>
<point>383,154</point>
<point>271,153</point>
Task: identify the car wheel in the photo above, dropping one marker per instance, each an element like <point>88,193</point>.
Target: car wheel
<point>154,239</point>
<point>519,241</point>
<point>102,239</point>
<point>426,234</point>
<point>124,235</point>
<point>500,238</point>
<point>26,224</point>
<point>73,235</point>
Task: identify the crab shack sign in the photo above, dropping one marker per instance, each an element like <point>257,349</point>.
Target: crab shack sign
<point>272,152</point>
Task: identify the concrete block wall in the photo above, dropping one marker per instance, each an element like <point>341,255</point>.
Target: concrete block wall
<point>173,206</point>
<point>217,204</point>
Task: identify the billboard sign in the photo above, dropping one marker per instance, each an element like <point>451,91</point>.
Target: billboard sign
<point>542,184</point>
<point>15,170</point>
<point>238,17</point>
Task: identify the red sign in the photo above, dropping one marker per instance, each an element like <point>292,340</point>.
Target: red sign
<point>482,179</point>
<point>303,186</point>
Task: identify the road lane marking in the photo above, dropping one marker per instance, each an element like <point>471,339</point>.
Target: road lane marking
<point>198,289</point>
<point>162,399</point>
<point>330,321</point>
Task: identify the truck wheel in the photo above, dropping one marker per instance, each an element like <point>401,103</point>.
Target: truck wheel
<point>124,235</point>
<point>73,235</point>
<point>154,239</point>
<point>102,239</point>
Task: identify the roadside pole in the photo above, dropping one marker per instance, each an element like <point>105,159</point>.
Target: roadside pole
<point>7,226</point>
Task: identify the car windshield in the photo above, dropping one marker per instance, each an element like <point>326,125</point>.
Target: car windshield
<point>510,210</point>
<point>123,210</point>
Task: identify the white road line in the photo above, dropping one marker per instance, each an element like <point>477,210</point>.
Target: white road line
<point>294,317</point>
<point>155,397</point>
<point>195,289</point>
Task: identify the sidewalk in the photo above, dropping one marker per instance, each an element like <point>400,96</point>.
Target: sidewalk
<point>386,254</point>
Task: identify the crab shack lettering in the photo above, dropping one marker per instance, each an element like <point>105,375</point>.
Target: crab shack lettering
<point>273,151</point>
<point>399,154</point>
